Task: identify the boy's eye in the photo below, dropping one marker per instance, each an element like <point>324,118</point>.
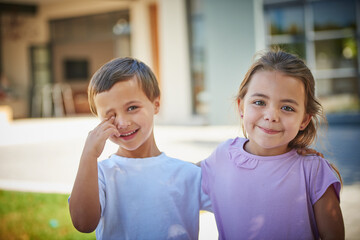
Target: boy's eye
<point>287,108</point>
<point>132,108</point>
<point>109,116</point>
<point>259,103</point>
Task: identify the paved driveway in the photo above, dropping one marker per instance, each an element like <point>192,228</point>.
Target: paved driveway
<point>42,155</point>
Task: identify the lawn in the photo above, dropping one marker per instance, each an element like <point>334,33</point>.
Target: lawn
<point>36,216</point>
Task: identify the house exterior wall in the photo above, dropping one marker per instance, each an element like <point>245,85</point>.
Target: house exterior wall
<point>35,30</point>
<point>174,63</point>
<point>230,46</point>
<point>229,51</point>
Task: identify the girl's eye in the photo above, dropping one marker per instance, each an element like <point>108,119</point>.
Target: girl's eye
<point>259,103</point>
<point>132,108</point>
<point>288,109</point>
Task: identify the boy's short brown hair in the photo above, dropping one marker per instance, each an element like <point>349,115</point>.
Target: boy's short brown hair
<point>118,70</point>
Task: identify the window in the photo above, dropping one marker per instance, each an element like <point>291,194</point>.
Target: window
<point>323,33</point>
<point>90,28</point>
<point>286,28</point>
<point>197,55</point>
<point>76,70</point>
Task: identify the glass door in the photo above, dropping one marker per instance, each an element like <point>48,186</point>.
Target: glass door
<point>41,76</point>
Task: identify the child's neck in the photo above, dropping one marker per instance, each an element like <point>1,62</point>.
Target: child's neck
<point>141,152</point>
<point>255,149</point>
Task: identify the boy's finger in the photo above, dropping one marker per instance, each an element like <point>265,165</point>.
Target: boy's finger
<point>112,118</point>
<point>109,119</point>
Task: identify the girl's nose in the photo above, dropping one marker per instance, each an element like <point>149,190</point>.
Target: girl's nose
<point>271,115</point>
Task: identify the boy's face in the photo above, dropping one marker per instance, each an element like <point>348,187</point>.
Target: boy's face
<point>134,115</point>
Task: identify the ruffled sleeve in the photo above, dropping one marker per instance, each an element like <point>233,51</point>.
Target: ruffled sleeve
<point>210,165</point>
<point>322,177</point>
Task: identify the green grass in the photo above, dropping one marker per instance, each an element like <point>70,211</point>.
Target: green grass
<point>36,216</point>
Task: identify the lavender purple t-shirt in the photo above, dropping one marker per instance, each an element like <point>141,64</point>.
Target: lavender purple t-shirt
<point>257,197</point>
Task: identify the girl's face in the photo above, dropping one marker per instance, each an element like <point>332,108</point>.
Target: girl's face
<point>273,112</point>
<point>134,114</point>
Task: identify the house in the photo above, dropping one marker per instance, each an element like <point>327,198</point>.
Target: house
<point>199,50</point>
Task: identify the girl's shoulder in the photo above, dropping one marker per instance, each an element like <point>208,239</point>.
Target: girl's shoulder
<point>313,160</point>
<point>229,145</point>
<point>317,166</point>
<point>320,174</point>
<point>237,142</point>
<point>226,149</point>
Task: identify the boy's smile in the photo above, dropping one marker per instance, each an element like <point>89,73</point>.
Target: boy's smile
<point>132,114</point>
<point>273,112</point>
<point>128,135</point>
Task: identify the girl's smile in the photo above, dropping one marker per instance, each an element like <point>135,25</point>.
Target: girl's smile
<point>269,130</point>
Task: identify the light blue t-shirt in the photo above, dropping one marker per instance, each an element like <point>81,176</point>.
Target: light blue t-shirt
<point>149,198</point>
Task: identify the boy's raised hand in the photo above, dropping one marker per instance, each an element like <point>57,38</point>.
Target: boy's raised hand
<point>84,203</point>
<point>95,142</point>
<point>309,151</point>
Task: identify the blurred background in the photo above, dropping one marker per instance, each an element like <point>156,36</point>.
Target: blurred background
<point>199,50</point>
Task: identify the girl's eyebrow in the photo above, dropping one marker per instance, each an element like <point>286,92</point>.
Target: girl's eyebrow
<point>287,100</point>
<point>290,101</point>
<point>260,95</point>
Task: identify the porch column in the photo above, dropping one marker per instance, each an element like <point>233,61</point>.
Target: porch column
<point>174,63</point>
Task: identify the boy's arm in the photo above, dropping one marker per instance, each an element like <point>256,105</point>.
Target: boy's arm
<point>328,216</point>
<point>84,203</point>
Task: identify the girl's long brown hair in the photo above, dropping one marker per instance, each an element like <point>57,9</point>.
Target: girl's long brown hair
<point>292,66</point>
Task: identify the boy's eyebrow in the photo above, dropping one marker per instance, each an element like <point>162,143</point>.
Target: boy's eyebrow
<point>108,111</point>
<point>132,102</point>
<point>286,100</point>
<point>126,104</point>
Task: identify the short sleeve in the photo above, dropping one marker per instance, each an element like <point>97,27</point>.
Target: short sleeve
<point>210,165</point>
<point>101,182</point>
<point>206,171</point>
<point>322,179</point>
<point>205,201</point>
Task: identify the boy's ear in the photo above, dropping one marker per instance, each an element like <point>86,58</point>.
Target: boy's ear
<point>305,122</point>
<point>157,105</point>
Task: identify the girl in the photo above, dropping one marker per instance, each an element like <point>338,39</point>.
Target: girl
<point>260,187</point>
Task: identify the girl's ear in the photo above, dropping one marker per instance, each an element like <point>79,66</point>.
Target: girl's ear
<point>305,122</point>
<point>240,107</point>
<point>156,103</point>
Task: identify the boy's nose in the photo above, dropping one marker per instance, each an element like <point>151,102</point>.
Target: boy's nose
<point>122,122</point>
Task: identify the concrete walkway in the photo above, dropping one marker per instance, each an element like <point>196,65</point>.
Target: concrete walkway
<point>42,155</point>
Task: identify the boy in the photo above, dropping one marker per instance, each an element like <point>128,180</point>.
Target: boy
<point>138,192</point>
